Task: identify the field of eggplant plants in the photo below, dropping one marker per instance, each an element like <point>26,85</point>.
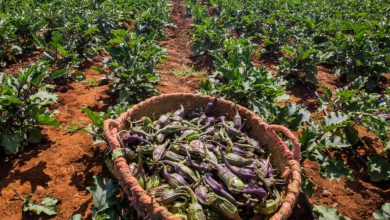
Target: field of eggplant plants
<point>319,68</point>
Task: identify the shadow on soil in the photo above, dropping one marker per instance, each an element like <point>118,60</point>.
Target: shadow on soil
<point>35,175</point>
<point>302,209</point>
<point>84,178</point>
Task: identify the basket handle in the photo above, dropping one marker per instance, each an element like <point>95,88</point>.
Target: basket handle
<point>110,130</point>
<point>297,149</point>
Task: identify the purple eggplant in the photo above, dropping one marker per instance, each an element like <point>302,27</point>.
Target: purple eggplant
<point>159,151</point>
<point>173,156</point>
<point>266,167</point>
<point>237,160</point>
<point>179,112</point>
<point>201,119</point>
<point>243,153</point>
<point>174,179</point>
<point>210,122</point>
<point>169,195</point>
<point>219,188</point>
<point>163,121</point>
<point>236,150</point>
<point>229,178</point>
<point>160,138</point>
<point>171,128</point>
<point>198,166</point>
<point>229,129</point>
<point>131,139</point>
<point>259,192</point>
<point>201,193</point>
<point>182,170</point>
<point>210,106</point>
<point>243,173</point>
<point>237,120</point>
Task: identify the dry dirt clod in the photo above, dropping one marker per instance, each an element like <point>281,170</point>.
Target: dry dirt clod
<point>326,193</point>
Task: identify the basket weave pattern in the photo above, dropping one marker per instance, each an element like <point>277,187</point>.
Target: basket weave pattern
<point>281,157</point>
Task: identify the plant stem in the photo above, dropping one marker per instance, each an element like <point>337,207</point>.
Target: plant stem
<point>20,196</point>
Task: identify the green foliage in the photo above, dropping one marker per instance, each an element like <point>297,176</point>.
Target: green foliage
<point>300,64</point>
<point>334,169</point>
<point>76,217</point>
<point>69,32</point>
<point>106,204</point>
<point>73,127</point>
<point>350,36</point>
<point>325,213</point>
<point>383,213</point>
<point>237,79</point>
<point>91,82</point>
<point>358,107</point>
<point>348,106</point>
<point>98,118</point>
<point>104,192</point>
<point>132,68</point>
<point>378,168</point>
<point>291,115</point>
<point>152,21</point>
<point>24,101</point>
<point>47,205</point>
<point>307,186</point>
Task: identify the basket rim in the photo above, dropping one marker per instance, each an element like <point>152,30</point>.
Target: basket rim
<point>145,202</point>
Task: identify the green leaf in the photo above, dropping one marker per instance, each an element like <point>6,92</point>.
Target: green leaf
<point>78,76</point>
<point>95,117</point>
<point>325,213</point>
<point>378,169</point>
<point>307,185</point>
<point>34,136</point>
<point>104,191</point>
<point>47,205</point>
<point>98,70</point>
<point>383,213</point>
<point>351,134</point>
<point>334,120</point>
<point>328,140</point>
<point>334,169</point>
<point>47,120</point>
<point>58,73</point>
<point>11,142</point>
<point>76,217</point>
<point>43,98</point>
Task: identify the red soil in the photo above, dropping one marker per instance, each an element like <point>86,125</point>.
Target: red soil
<point>178,48</point>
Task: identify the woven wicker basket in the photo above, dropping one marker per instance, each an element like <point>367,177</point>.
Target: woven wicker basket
<point>281,157</point>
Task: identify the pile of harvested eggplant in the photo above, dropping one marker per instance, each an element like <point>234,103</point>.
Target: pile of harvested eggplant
<point>200,166</point>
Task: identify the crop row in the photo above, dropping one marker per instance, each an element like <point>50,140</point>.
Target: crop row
<point>71,33</point>
<point>230,42</point>
<point>350,37</point>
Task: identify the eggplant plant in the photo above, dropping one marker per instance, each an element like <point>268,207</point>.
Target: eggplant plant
<point>132,67</point>
<point>24,101</point>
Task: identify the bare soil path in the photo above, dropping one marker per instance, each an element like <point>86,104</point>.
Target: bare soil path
<point>177,74</point>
